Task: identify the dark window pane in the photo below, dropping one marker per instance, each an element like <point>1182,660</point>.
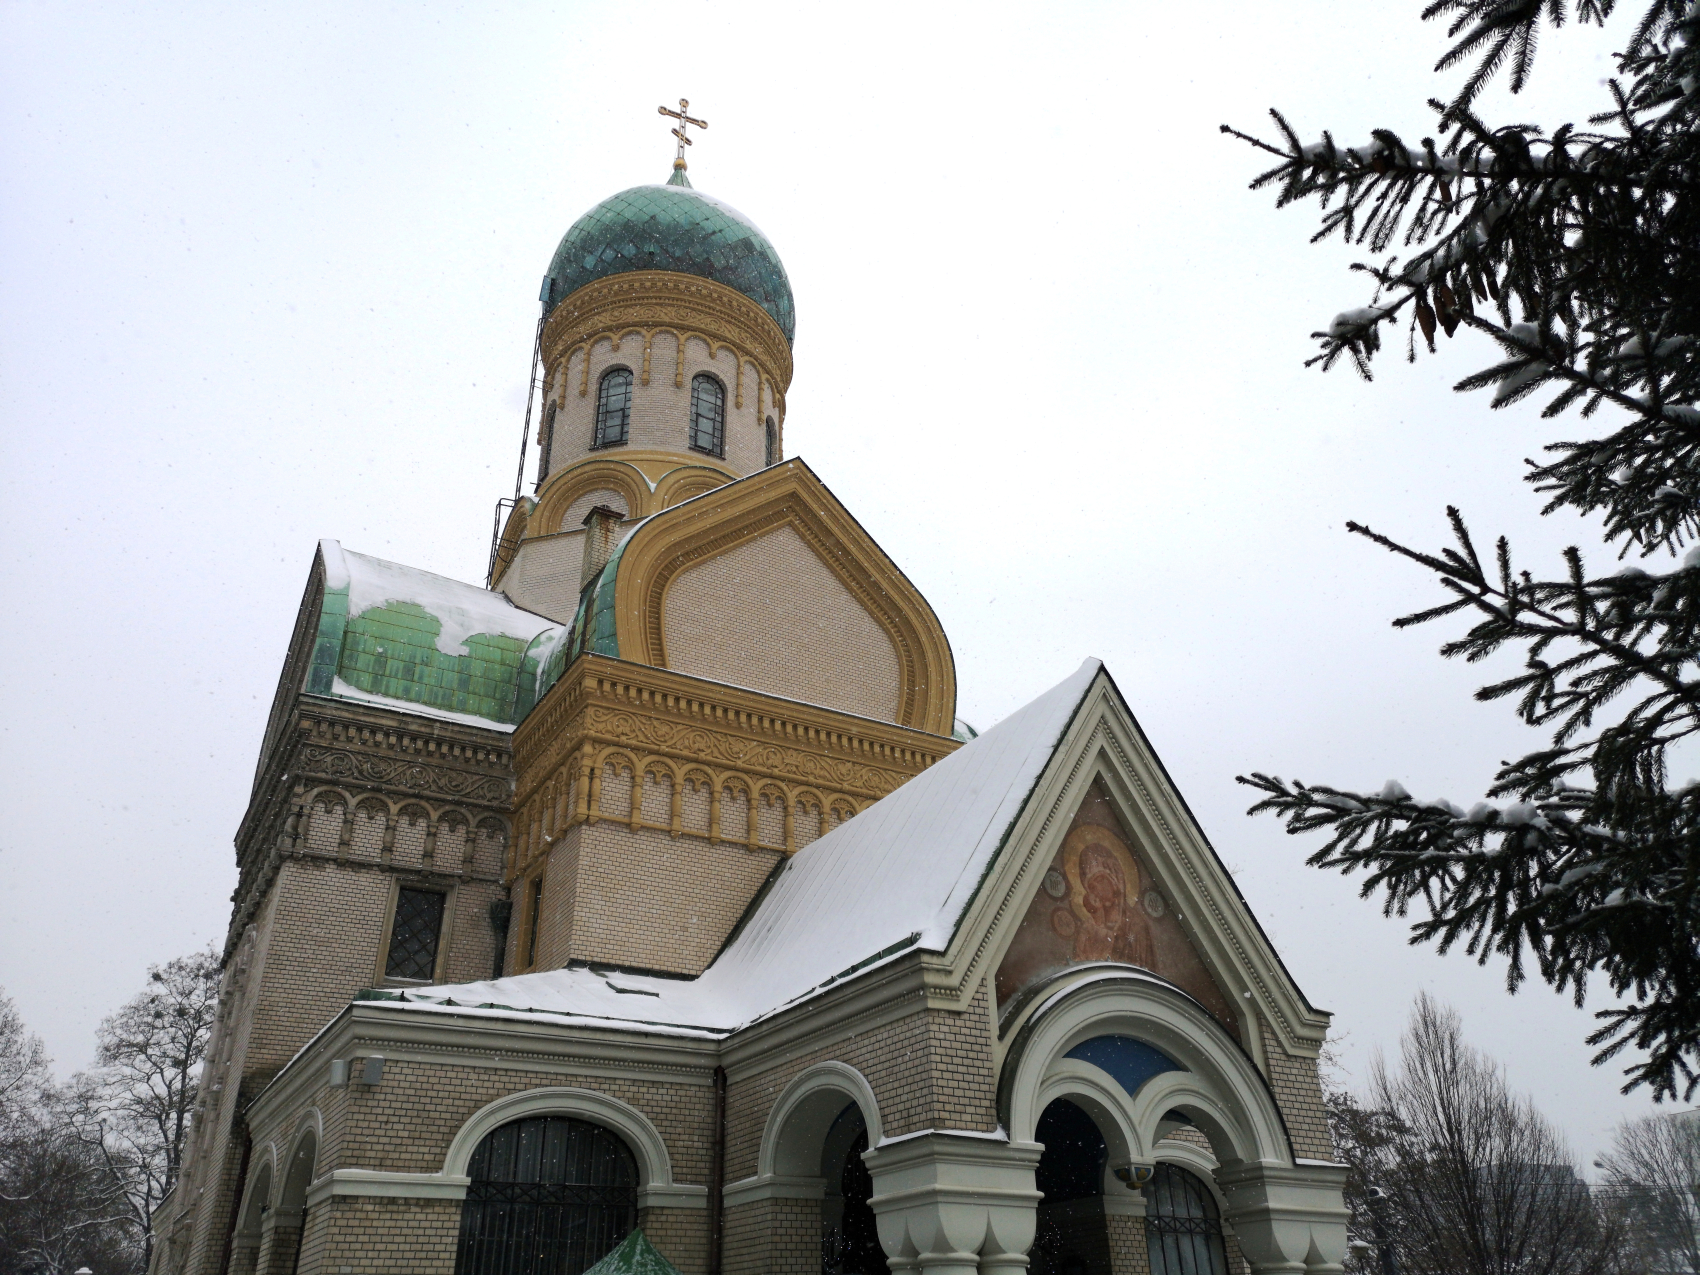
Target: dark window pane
<point>549,1196</point>
<point>413,938</point>
<point>708,415</point>
<point>1183,1234</point>
<point>613,407</point>
<point>772,442</point>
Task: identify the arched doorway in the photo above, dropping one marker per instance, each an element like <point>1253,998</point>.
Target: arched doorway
<point>1183,1230</point>
<point>1071,1236</point>
<point>549,1195</point>
<point>850,1242</point>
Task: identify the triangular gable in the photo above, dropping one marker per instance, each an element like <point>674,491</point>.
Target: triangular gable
<point>1105,787</point>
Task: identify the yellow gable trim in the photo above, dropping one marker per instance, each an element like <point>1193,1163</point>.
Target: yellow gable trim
<point>787,495</point>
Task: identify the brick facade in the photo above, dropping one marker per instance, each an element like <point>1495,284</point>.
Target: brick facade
<point>1298,1092</point>
<point>770,615</point>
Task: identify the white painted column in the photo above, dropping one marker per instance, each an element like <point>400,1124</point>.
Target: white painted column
<point>955,1203</point>
<point>1288,1218</point>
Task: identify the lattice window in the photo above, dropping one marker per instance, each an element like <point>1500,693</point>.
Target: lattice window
<point>413,938</point>
<point>708,415</point>
<point>613,407</point>
<point>549,1196</point>
<point>1183,1232</point>
<point>772,442</point>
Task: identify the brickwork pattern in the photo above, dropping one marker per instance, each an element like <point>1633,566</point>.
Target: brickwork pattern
<point>1298,1093</point>
<point>643,899</point>
<point>770,615</point>
<point>660,417</point>
<point>1129,1254</point>
<point>931,1069</point>
<point>773,1237</point>
<point>1236,1263</point>
<point>363,1235</point>
<point>544,575</point>
<point>680,1235</point>
<point>405,1125</point>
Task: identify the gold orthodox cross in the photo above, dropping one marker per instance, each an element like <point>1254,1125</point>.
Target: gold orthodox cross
<point>685,121</point>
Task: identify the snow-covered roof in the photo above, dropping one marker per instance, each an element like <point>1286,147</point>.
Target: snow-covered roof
<point>398,637</point>
<point>898,876</point>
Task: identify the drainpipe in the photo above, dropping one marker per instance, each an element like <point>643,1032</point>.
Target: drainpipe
<point>717,1173</point>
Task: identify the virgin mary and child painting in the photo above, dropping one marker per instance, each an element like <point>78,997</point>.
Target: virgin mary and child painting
<point>1095,903</point>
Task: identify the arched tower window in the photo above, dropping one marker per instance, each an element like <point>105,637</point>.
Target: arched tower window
<point>708,415</point>
<point>772,442</point>
<point>613,407</point>
<point>1183,1232</point>
<point>546,437</point>
<point>549,1196</point>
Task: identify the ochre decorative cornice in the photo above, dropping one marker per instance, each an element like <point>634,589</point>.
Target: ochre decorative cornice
<point>651,301</point>
<point>656,720</point>
<point>646,478</point>
<point>788,495</point>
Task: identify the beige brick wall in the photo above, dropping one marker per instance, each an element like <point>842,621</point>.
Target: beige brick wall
<point>773,1237</point>
<point>1298,1092</point>
<point>931,1069</point>
<point>660,417</point>
<point>544,576</point>
<point>644,899</point>
<point>770,615</point>
<point>356,1235</point>
<point>405,1125</point>
<point>681,1235</point>
<point>1129,1254</point>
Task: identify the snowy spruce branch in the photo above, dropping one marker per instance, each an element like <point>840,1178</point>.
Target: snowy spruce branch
<point>1576,252</point>
<point>1594,863</point>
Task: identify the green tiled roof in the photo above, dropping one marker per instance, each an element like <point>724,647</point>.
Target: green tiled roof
<point>635,1255</point>
<point>381,638</point>
<point>671,227</point>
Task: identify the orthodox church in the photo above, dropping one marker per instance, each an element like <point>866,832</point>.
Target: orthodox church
<point>649,906</point>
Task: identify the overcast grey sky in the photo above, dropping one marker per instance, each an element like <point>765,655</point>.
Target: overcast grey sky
<point>270,274</point>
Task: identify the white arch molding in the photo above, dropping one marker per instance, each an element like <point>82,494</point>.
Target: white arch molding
<point>1288,1214</point>
<point>656,1187</point>
<point>1221,1089</point>
<point>788,1161</point>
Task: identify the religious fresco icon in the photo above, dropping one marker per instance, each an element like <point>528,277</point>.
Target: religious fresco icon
<point>1100,917</point>
<point>1098,901</point>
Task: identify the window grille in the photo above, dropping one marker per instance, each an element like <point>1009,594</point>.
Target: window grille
<point>1183,1233</point>
<point>772,442</point>
<point>549,1196</point>
<point>708,415</point>
<point>413,937</point>
<point>613,407</point>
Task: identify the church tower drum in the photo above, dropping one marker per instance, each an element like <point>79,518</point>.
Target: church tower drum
<point>665,348</point>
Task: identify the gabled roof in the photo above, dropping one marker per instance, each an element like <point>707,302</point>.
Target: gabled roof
<point>946,865</point>
<point>402,638</point>
<point>897,876</point>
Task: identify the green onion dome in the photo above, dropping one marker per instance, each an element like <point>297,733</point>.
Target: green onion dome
<point>671,227</point>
